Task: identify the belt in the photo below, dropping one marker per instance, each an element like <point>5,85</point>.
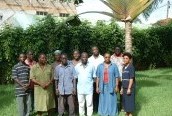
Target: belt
<point>126,79</point>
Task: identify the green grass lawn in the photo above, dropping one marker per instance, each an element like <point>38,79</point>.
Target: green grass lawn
<point>153,97</point>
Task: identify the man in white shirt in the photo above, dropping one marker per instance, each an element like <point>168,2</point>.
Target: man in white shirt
<point>95,59</point>
<point>85,73</point>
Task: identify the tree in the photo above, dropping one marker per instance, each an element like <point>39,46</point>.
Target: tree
<point>127,11</point>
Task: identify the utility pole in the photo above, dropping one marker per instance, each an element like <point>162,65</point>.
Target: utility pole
<point>168,8</point>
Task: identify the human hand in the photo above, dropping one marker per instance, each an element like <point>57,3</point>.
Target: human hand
<point>121,91</point>
<point>74,92</point>
<point>116,89</point>
<point>43,85</point>
<point>128,91</point>
<point>25,86</point>
<point>57,92</point>
<point>97,90</point>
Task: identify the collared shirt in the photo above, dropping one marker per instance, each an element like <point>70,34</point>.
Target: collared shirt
<point>113,73</point>
<point>42,75</point>
<point>85,75</point>
<point>127,74</point>
<point>65,76</point>
<point>118,60</point>
<point>96,61</point>
<point>21,72</point>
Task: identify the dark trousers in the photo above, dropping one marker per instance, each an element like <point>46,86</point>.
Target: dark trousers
<point>61,104</point>
<point>95,98</point>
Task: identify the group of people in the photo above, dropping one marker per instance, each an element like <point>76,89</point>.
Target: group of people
<point>75,82</point>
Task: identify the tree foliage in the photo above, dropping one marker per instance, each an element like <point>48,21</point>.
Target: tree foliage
<point>152,46</point>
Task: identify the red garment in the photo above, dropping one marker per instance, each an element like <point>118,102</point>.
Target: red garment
<point>30,64</point>
<point>106,76</point>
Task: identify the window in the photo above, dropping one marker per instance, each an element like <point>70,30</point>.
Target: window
<point>64,15</point>
<point>41,13</point>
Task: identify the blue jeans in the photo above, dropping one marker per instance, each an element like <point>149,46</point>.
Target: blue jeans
<point>24,105</point>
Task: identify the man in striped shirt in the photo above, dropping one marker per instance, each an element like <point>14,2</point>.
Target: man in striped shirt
<point>20,74</point>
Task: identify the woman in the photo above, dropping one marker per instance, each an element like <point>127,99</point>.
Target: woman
<point>128,85</point>
<point>41,75</point>
<point>76,57</point>
<point>107,86</point>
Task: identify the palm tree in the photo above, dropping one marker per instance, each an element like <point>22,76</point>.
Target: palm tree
<point>127,11</point>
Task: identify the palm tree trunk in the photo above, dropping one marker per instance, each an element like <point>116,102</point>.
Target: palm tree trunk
<point>128,38</point>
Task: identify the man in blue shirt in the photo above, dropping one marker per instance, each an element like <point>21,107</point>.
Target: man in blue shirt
<point>65,85</point>
<point>85,72</point>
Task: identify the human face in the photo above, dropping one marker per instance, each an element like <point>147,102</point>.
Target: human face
<point>57,57</point>
<point>107,58</point>
<point>64,59</point>
<point>22,58</point>
<point>30,55</point>
<point>76,55</point>
<point>95,51</point>
<point>84,58</point>
<point>117,51</point>
<point>126,60</point>
<point>42,59</point>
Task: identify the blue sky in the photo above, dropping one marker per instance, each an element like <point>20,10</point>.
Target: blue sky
<point>96,5</point>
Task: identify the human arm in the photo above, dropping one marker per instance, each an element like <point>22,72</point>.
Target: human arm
<point>98,79</point>
<point>97,85</point>
<point>33,78</point>
<point>131,80</point>
<point>117,77</point>
<point>16,79</point>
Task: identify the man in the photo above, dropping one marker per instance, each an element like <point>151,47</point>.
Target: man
<point>65,85</point>
<point>85,72</point>
<point>57,61</point>
<point>41,75</point>
<point>57,57</point>
<point>20,74</point>
<point>96,59</point>
<point>117,58</point>
<point>30,62</point>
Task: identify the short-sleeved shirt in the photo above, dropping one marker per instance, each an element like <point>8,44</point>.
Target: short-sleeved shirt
<point>85,75</point>
<point>65,76</point>
<point>113,73</point>
<point>127,74</point>
<point>21,72</point>
<point>44,98</point>
<point>118,60</point>
<point>96,61</point>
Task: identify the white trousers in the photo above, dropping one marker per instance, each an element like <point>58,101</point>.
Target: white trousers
<point>89,103</point>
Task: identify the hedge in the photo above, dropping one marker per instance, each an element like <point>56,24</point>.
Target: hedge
<point>152,46</point>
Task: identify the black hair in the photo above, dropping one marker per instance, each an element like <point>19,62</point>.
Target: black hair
<point>22,54</point>
<point>64,54</point>
<point>84,53</point>
<point>106,53</point>
<point>94,47</point>
<point>29,51</point>
<point>128,55</point>
<point>41,54</point>
<point>76,51</point>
